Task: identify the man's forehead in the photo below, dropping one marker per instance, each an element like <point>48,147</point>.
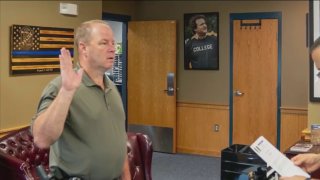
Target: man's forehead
<point>200,19</point>
<point>102,28</point>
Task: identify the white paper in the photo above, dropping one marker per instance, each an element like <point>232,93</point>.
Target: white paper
<point>273,157</point>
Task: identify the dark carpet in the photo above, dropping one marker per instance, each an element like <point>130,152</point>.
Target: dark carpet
<point>167,166</point>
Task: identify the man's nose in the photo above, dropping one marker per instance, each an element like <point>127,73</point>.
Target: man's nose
<point>112,48</point>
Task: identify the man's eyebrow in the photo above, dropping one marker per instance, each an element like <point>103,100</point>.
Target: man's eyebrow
<point>107,40</point>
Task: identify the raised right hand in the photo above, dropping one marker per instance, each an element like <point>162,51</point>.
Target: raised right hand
<point>70,79</point>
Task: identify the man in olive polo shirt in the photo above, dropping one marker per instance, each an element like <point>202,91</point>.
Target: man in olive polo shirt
<point>80,115</point>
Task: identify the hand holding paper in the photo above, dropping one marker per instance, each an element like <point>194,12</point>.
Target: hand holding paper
<point>274,158</point>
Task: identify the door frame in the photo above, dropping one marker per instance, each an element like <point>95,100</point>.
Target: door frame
<point>248,16</point>
<point>124,19</point>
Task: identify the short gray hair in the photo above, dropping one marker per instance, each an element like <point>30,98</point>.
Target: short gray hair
<point>83,32</point>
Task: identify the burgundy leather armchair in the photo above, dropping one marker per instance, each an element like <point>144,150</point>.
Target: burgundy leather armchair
<point>19,157</point>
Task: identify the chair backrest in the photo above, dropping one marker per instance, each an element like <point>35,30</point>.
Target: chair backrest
<point>20,145</point>
<point>19,156</point>
<point>20,150</point>
<point>139,156</point>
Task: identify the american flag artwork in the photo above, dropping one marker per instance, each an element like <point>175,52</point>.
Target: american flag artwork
<point>35,49</point>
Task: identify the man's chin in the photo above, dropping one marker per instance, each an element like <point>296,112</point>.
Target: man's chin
<point>108,67</point>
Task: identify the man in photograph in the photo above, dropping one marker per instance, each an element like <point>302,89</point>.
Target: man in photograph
<point>201,50</point>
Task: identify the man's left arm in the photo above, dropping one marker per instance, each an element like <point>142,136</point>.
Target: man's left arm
<point>126,170</point>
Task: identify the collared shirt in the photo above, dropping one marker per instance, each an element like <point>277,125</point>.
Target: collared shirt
<point>93,142</point>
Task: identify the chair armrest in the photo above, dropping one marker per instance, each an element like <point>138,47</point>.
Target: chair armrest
<point>8,161</point>
<point>11,166</point>
<point>146,151</point>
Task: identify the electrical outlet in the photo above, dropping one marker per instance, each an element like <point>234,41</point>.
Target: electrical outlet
<point>216,127</point>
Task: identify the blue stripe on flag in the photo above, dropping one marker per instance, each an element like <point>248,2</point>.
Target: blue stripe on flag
<point>38,53</point>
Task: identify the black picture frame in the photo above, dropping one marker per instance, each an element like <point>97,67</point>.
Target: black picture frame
<point>313,33</point>
<point>201,50</point>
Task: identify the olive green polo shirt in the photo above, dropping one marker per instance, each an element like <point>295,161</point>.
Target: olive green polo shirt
<point>93,142</point>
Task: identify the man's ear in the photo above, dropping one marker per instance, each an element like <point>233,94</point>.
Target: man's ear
<point>82,48</point>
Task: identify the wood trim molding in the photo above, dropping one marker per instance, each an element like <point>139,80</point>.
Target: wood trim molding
<point>3,132</point>
<point>293,110</point>
<point>202,105</point>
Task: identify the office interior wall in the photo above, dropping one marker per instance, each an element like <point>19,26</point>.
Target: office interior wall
<point>205,86</point>
<point>314,107</point>
<point>211,88</point>
<point>19,95</point>
<point>120,7</point>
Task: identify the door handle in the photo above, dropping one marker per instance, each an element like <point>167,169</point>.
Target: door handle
<point>238,93</point>
<point>170,84</point>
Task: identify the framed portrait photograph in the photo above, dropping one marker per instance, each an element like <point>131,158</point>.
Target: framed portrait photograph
<point>314,20</point>
<point>201,41</point>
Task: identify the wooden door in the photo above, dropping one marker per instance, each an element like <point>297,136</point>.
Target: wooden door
<point>255,77</point>
<point>151,56</point>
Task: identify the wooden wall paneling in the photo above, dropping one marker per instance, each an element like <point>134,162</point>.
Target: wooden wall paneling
<point>196,128</point>
<point>196,135</point>
<point>293,121</point>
